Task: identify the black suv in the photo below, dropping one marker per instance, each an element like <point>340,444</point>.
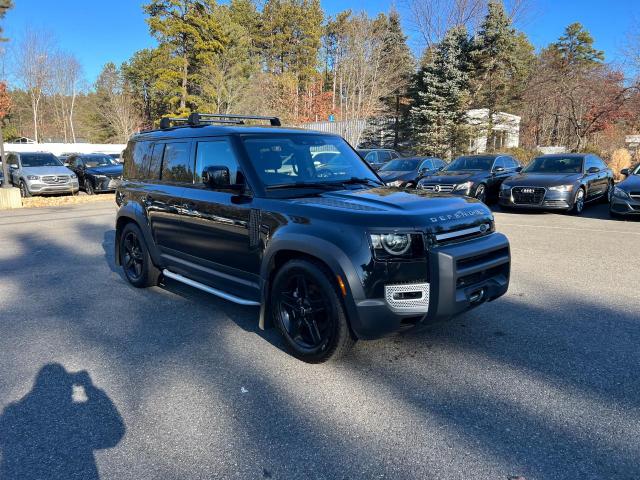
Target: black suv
<point>256,215</point>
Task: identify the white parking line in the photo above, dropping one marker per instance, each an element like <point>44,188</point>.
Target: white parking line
<point>500,224</point>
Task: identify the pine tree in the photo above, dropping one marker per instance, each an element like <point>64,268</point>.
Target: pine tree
<point>5,5</point>
<point>188,32</point>
<point>575,48</point>
<point>441,96</point>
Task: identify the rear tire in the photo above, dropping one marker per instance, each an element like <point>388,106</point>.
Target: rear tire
<point>135,260</point>
<point>309,313</point>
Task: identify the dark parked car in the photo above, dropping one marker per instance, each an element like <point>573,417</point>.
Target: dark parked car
<point>559,182</point>
<point>405,172</point>
<point>240,212</point>
<point>96,172</point>
<point>626,195</point>
<point>478,176</point>
<point>378,157</point>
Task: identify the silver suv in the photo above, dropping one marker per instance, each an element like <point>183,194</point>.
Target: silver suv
<point>37,173</point>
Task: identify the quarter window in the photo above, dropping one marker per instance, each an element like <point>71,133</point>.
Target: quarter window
<point>216,153</point>
<point>176,167</point>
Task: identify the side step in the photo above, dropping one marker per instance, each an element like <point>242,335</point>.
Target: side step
<point>205,288</point>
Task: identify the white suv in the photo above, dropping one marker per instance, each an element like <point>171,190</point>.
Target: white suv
<point>37,173</point>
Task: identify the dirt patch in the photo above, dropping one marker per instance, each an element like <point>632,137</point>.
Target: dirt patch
<point>66,200</point>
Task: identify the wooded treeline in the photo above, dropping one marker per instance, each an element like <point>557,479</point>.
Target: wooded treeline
<point>288,58</point>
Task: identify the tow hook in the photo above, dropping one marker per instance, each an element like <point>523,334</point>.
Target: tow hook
<point>477,296</point>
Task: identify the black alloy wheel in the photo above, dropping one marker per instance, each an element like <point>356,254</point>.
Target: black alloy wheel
<point>481,193</point>
<point>309,313</point>
<point>88,187</point>
<point>135,259</point>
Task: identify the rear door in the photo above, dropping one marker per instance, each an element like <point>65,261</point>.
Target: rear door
<point>215,224</point>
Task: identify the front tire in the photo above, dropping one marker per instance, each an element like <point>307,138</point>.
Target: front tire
<point>24,190</point>
<point>135,259</point>
<point>309,313</point>
<point>606,198</point>
<point>88,187</point>
<point>578,202</point>
<point>481,193</point>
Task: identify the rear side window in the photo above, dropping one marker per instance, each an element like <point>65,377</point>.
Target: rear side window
<point>216,153</point>
<point>155,162</point>
<point>136,160</point>
<point>176,164</point>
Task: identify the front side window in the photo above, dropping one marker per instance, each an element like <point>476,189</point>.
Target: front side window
<point>176,164</point>
<point>428,164</point>
<point>555,165</point>
<point>99,161</point>
<point>499,163</point>
<point>372,157</point>
<point>39,160</point>
<point>216,153</point>
<point>291,159</point>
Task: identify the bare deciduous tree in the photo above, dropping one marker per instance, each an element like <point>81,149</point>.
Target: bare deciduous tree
<point>66,78</point>
<point>115,103</point>
<point>33,70</point>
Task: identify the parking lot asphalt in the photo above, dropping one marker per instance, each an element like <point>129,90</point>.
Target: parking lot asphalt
<point>542,383</point>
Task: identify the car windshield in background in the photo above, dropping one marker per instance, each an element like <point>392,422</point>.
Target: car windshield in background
<point>555,165</point>
<point>99,161</point>
<point>39,160</point>
<point>300,159</point>
<point>402,165</point>
<point>470,163</point>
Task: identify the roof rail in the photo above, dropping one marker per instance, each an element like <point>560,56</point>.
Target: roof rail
<point>196,119</point>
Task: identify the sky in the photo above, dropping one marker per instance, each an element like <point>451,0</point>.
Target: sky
<point>98,32</point>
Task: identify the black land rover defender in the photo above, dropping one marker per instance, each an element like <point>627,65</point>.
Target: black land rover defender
<point>296,222</point>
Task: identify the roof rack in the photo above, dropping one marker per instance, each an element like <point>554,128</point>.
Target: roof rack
<point>196,119</point>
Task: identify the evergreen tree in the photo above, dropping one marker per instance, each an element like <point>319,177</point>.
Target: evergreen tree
<point>575,48</point>
<point>441,97</point>
<point>188,33</point>
<point>5,5</point>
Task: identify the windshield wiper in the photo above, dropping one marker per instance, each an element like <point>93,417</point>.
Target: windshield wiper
<point>320,185</point>
<point>361,181</point>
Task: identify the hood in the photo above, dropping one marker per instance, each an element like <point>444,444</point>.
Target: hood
<point>455,177</point>
<point>391,175</point>
<point>542,179</point>
<point>108,170</point>
<point>46,171</point>
<point>632,182</point>
<point>393,208</point>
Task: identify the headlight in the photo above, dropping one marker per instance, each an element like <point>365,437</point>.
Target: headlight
<point>392,243</point>
<point>561,188</point>
<point>397,183</point>
<point>33,177</point>
<point>73,175</point>
<point>463,186</point>
<point>618,192</point>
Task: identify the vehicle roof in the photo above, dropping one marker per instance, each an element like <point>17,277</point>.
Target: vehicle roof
<point>31,153</point>
<point>375,149</point>
<point>486,155</point>
<point>213,130</point>
<point>565,155</point>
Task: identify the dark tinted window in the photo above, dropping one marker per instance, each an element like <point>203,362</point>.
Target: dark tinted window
<point>216,153</point>
<point>176,164</point>
<point>599,163</point>
<point>384,156</point>
<point>155,162</point>
<point>555,164</point>
<point>510,163</point>
<point>371,157</point>
<point>591,162</point>
<point>480,163</point>
<point>499,163</point>
<point>39,160</point>
<point>136,160</point>
<point>428,164</point>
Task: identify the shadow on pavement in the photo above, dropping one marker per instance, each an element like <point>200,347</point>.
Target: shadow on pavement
<point>54,430</point>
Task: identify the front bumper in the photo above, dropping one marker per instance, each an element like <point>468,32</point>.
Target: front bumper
<point>106,184</point>
<point>461,276</point>
<point>552,200</point>
<point>36,188</point>
<point>627,206</point>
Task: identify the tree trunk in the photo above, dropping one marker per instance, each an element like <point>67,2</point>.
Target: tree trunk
<point>185,76</point>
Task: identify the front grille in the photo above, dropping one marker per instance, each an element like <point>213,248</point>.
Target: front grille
<point>438,187</point>
<point>528,195</point>
<point>408,297</point>
<point>55,179</point>
<point>459,235</point>
<point>635,195</point>
<point>475,269</point>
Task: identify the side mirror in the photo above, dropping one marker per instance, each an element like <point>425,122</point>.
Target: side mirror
<point>498,170</point>
<point>66,164</point>
<point>13,165</point>
<point>625,172</point>
<point>593,170</point>
<point>519,169</point>
<point>423,171</point>
<point>216,176</point>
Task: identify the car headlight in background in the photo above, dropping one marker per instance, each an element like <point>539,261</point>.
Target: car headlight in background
<point>561,188</point>
<point>463,186</point>
<point>394,244</point>
<point>33,177</point>
<point>73,175</point>
<point>397,183</point>
<point>618,192</point>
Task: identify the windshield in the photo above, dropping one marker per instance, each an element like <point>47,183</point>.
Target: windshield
<point>402,165</point>
<point>301,158</point>
<point>39,160</point>
<point>555,165</point>
<point>470,163</point>
<point>99,161</point>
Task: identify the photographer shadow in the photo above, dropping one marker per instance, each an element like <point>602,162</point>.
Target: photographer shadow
<point>53,431</point>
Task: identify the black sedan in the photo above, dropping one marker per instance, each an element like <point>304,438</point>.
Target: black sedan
<point>559,182</point>
<point>378,157</point>
<point>478,176</point>
<point>626,195</point>
<point>406,172</point>
<point>96,172</point>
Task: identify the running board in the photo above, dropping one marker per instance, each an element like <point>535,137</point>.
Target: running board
<point>205,288</point>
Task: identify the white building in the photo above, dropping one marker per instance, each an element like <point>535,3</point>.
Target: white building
<point>505,131</point>
<point>61,148</point>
